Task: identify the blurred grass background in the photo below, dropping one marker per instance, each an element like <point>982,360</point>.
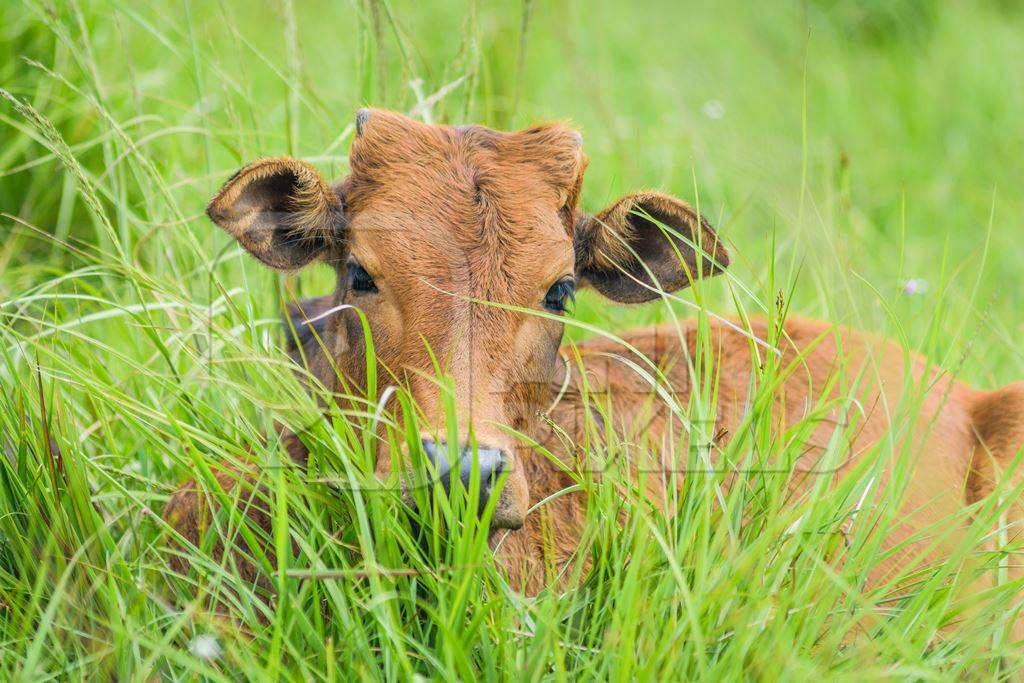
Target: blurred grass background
<point>843,149</point>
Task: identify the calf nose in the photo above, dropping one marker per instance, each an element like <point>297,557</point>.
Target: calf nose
<point>492,463</point>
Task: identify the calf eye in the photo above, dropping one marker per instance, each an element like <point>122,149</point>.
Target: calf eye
<point>359,280</point>
<point>561,294</point>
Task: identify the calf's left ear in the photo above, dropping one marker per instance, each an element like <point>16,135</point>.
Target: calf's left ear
<point>281,210</point>
<point>644,244</point>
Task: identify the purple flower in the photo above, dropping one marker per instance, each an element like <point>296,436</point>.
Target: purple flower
<point>915,286</point>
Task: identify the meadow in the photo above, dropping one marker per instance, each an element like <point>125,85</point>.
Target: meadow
<point>861,159</point>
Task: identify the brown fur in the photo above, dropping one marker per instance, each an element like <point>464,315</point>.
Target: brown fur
<point>448,220</point>
<point>283,234</point>
<point>190,511</point>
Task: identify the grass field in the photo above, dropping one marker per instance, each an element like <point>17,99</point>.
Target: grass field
<point>862,160</point>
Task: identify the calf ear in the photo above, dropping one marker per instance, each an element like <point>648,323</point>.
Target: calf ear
<point>281,210</point>
<point>644,244</point>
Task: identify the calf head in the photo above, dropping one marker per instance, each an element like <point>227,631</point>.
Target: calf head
<point>462,247</point>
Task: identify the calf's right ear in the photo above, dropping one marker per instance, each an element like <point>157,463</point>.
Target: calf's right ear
<point>281,210</point>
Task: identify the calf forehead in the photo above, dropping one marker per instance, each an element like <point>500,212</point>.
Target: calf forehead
<point>458,173</point>
<point>428,258</point>
<point>439,198</point>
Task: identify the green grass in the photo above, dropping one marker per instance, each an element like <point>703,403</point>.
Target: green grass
<point>841,148</point>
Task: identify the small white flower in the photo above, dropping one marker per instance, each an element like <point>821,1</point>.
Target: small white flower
<point>205,647</point>
<point>713,109</point>
<point>915,286</point>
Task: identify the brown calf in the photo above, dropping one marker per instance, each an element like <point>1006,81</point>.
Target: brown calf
<point>464,244</point>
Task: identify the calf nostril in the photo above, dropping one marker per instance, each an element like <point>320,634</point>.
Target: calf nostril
<point>491,464</point>
<point>436,454</point>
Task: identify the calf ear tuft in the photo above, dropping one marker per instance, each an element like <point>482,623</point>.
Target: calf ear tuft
<point>281,210</point>
<point>644,244</point>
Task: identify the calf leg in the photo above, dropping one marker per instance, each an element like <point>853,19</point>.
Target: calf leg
<point>190,512</point>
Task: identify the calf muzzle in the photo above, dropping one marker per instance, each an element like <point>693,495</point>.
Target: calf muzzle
<point>491,463</point>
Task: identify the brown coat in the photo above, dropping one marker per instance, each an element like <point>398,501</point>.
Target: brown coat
<point>460,243</point>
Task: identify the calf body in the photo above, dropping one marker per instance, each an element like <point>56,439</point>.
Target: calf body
<point>462,246</point>
<point>955,444</point>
